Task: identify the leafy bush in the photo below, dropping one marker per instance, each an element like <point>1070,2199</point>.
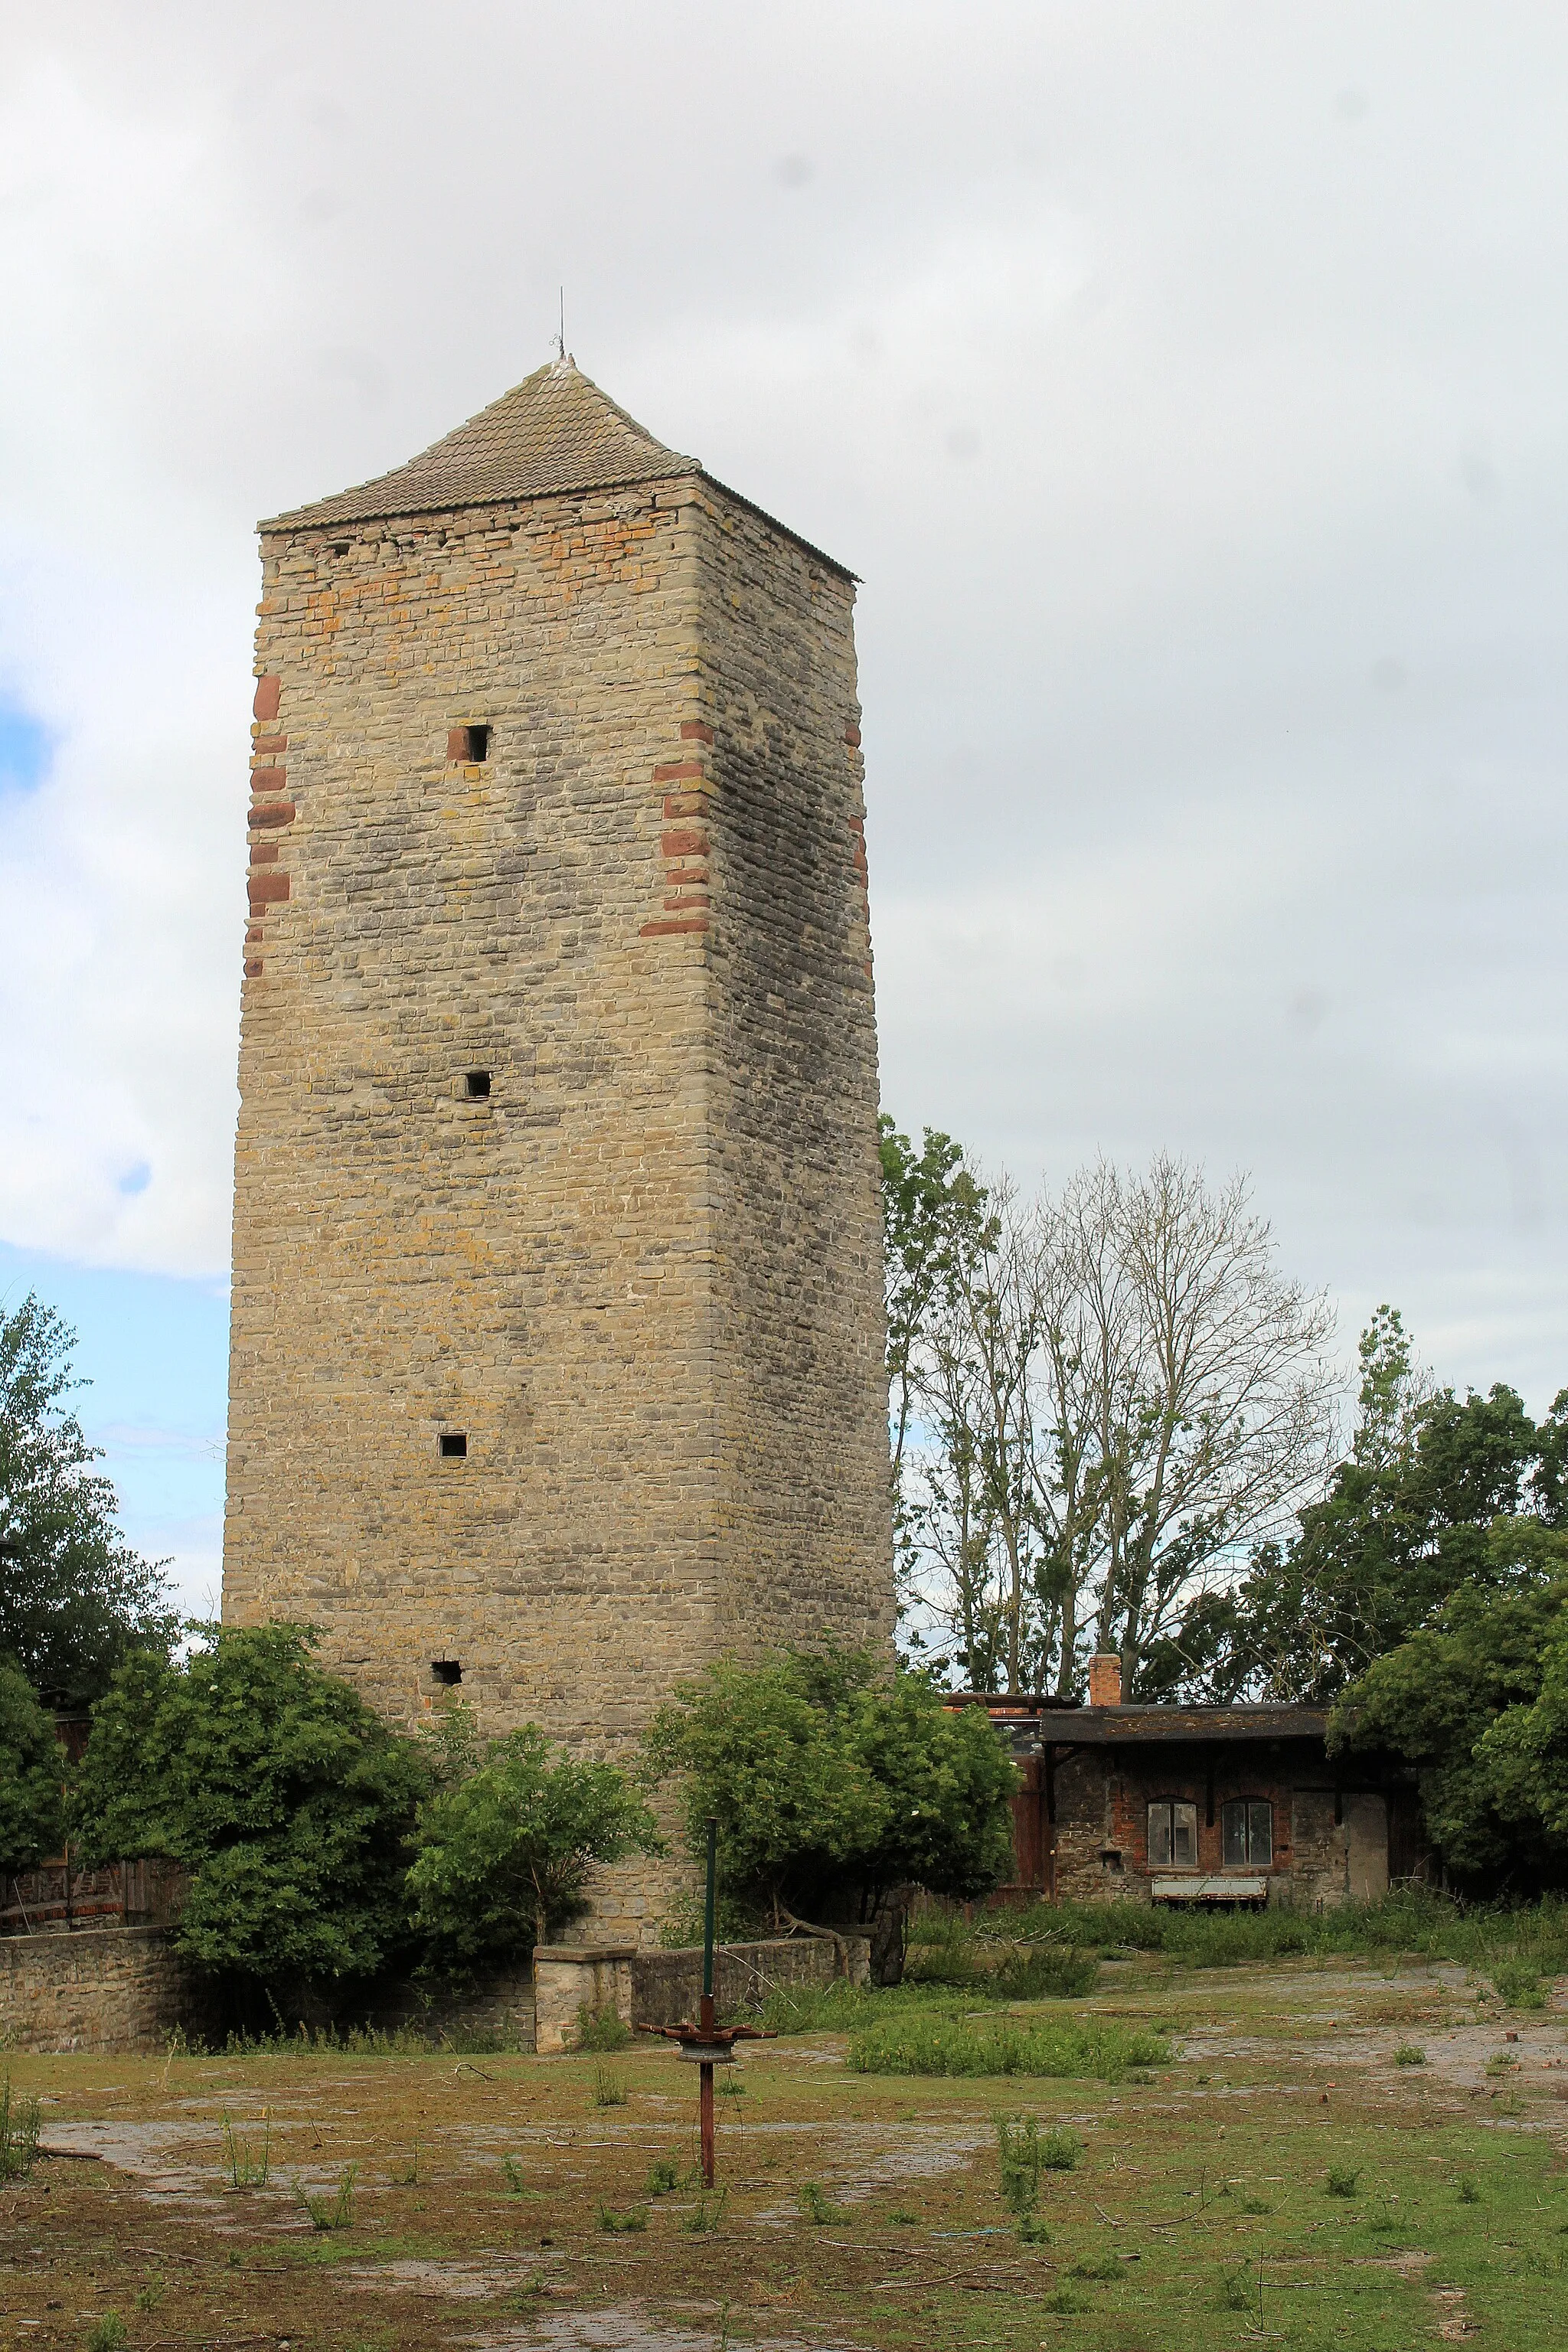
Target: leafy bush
<point>816,2207</point>
<point>1341,2181</point>
<point>609,2088</point>
<point>601,2028</point>
<point>1519,1984</point>
<point>1409,2053</point>
<point>284,1795</point>
<point>617,2224</point>
<point>832,1781</point>
<point>501,1854</point>
<point>926,2044</point>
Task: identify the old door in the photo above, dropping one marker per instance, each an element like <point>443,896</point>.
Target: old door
<point>1366,1848</point>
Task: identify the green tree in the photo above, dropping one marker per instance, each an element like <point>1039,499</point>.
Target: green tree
<point>286,1797</point>
<point>1407,1521</point>
<point>32,1769</point>
<point>932,1212</point>
<point>502,1852</point>
<point>74,1597</point>
<point>1478,1701</point>
<point>833,1781</point>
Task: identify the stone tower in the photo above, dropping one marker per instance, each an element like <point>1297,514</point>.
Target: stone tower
<point>557,1330</point>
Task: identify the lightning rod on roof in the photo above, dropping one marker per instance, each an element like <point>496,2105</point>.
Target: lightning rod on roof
<point>560,338</point>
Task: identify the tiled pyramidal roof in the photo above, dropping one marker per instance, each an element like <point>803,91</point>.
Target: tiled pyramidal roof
<point>554,431</point>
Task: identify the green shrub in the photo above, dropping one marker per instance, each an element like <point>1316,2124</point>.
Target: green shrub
<point>917,2045</point>
<point>601,2028</point>
<point>1069,2301</point>
<point>1060,2149</point>
<point>1468,2189</point>
<point>616,2224</point>
<point>1341,2181</point>
<point>816,2207</point>
<point>1519,1983</point>
<point>107,2334</point>
<point>663,2175</point>
<point>1410,2053</point>
<point>1018,2160</point>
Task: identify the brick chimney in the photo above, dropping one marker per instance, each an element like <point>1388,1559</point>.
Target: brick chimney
<point>1105,1679</point>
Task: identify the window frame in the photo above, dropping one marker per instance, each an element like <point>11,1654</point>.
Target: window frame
<point>1169,1805</point>
<point>1249,1807</point>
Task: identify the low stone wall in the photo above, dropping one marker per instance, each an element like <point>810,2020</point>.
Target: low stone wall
<point>109,1990</point>
<point>667,1986</point>
<point>495,2011</point>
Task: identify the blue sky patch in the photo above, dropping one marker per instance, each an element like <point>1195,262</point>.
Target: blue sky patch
<point>136,1179</point>
<point>24,749</point>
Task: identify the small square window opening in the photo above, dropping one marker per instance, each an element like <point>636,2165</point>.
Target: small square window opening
<point>446,1670</point>
<point>454,1444</point>
<point>1247,1833</point>
<point>1173,1835</point>
<point>466,747</point>
<point>477,1085</point>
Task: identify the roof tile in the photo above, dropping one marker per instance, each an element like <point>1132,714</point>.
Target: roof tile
<point>556,431</point>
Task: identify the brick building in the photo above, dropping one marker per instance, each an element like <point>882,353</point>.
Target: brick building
<point>1223,1805</point>
<point>557,1328</point>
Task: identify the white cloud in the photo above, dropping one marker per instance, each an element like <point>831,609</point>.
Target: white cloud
<point>1187,384</point>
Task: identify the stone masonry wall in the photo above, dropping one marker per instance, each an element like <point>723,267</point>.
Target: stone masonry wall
<point>642,1276</point>
<point>100,1989</point>
<point>797,1179</point>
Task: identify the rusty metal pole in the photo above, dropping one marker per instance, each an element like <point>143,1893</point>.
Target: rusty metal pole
<point>705,2014</point>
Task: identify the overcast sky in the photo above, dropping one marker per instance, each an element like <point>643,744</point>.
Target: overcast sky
<point>1189,385</point>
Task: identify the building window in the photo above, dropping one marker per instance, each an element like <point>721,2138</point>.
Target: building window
<point>1172,1834</point>
<point>1247,1831</point>
<point>454,1444</point>
<point>477,1085</point>
<point>447,1671</point>
<point>468,746</point>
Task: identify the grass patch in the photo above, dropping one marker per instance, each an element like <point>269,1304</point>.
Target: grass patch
<point>609,2088</point>
<point>1410,2053</point>
<point>1088,2049</point>
<point>620,2225</point>
<point>1108,2265</point>
<point>1341,2181</point>
<point>816,2207</point>
<point>107,2334</point>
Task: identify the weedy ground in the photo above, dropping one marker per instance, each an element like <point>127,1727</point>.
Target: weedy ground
<point>1207,2207</point>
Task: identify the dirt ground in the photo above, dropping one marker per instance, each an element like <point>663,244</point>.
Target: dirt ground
<point>479,2190</point>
